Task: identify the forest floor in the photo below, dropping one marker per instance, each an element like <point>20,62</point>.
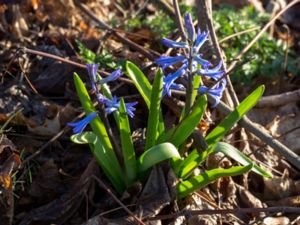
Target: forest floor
<point>47,179</point>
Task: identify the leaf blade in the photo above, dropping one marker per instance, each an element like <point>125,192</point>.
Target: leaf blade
<point>155,110</point>
<point>155,155</point>
<point>178,135</point>
<point>238,156</point>
<point>186,187</point>
<point>127,145</point>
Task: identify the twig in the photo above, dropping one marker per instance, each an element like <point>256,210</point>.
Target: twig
<point>204,10</point>
<point>238,34</point>
<point>280,99</point>
<point>48,55</point>
<point>117,200</point>
<point>263,135</point>
<point>179,20</point>
<point>286,54</point>
<point>61,59</point>
<point>166,7</point>
<point>54,138</point>
<point>150,54</point>
<point>226,211</point>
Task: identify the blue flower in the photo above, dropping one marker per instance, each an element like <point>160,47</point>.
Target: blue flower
<point>130,109</point>
<point>114,105</point>
<point>81,124</point>
<point>214,73</point>
<point>114,75</point>
<point>189,27</point>
<point>215,92</point>
<point>92,71</point>
<point>199,65</point>
<point>170,78</point>
<point>200,40</point>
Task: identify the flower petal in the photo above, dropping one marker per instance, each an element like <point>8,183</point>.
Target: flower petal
<point>216,92</point>
<point>169,80</point>
<point>173,44</point>
<point>204,63</point>
<point>200,40</point>
<point>92,71</point>
<point>81,124</point>
<point>166,61</point>
<point>114,75</point>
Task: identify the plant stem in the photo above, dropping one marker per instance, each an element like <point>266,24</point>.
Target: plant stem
<point>190,87</point>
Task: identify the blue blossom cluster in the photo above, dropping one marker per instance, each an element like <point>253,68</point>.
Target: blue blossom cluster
<point>111,105</point>
<point>191,62</point>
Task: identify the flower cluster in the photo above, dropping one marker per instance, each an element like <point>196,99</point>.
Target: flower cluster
<point>191,62</point>
<point>111,105</point>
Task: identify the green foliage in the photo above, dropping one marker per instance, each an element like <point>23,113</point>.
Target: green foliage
<point>101,147</point>
<point>194,158</point>
<point>144,87</point>
<point>140,80</point>
<point>100,143</point>
<point>268,52</point>
<point>104,59</point>
<point>187,125</point>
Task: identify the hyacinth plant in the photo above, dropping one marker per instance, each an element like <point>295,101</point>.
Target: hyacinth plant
<point>163,144</point>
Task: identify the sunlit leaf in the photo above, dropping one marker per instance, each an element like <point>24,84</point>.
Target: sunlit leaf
<point>240,157</point>
<point>189,186</point>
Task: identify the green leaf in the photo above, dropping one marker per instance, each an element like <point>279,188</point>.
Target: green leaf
<point>155,155</point>
<point>232,118</point>
<point>238,156</point>
<point>105,153</point>
<point>219,131</point>
<point>186,126</point>
<point>187,166</point>
<point>155,109</point>
<point>127,145</point>
<point>196,83</point>
<point>84,138</point>
<point>103,159</point>
<point>140,80</point>
<point>88,55</point>
<point>144,87</point>
<point>189,186</point>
